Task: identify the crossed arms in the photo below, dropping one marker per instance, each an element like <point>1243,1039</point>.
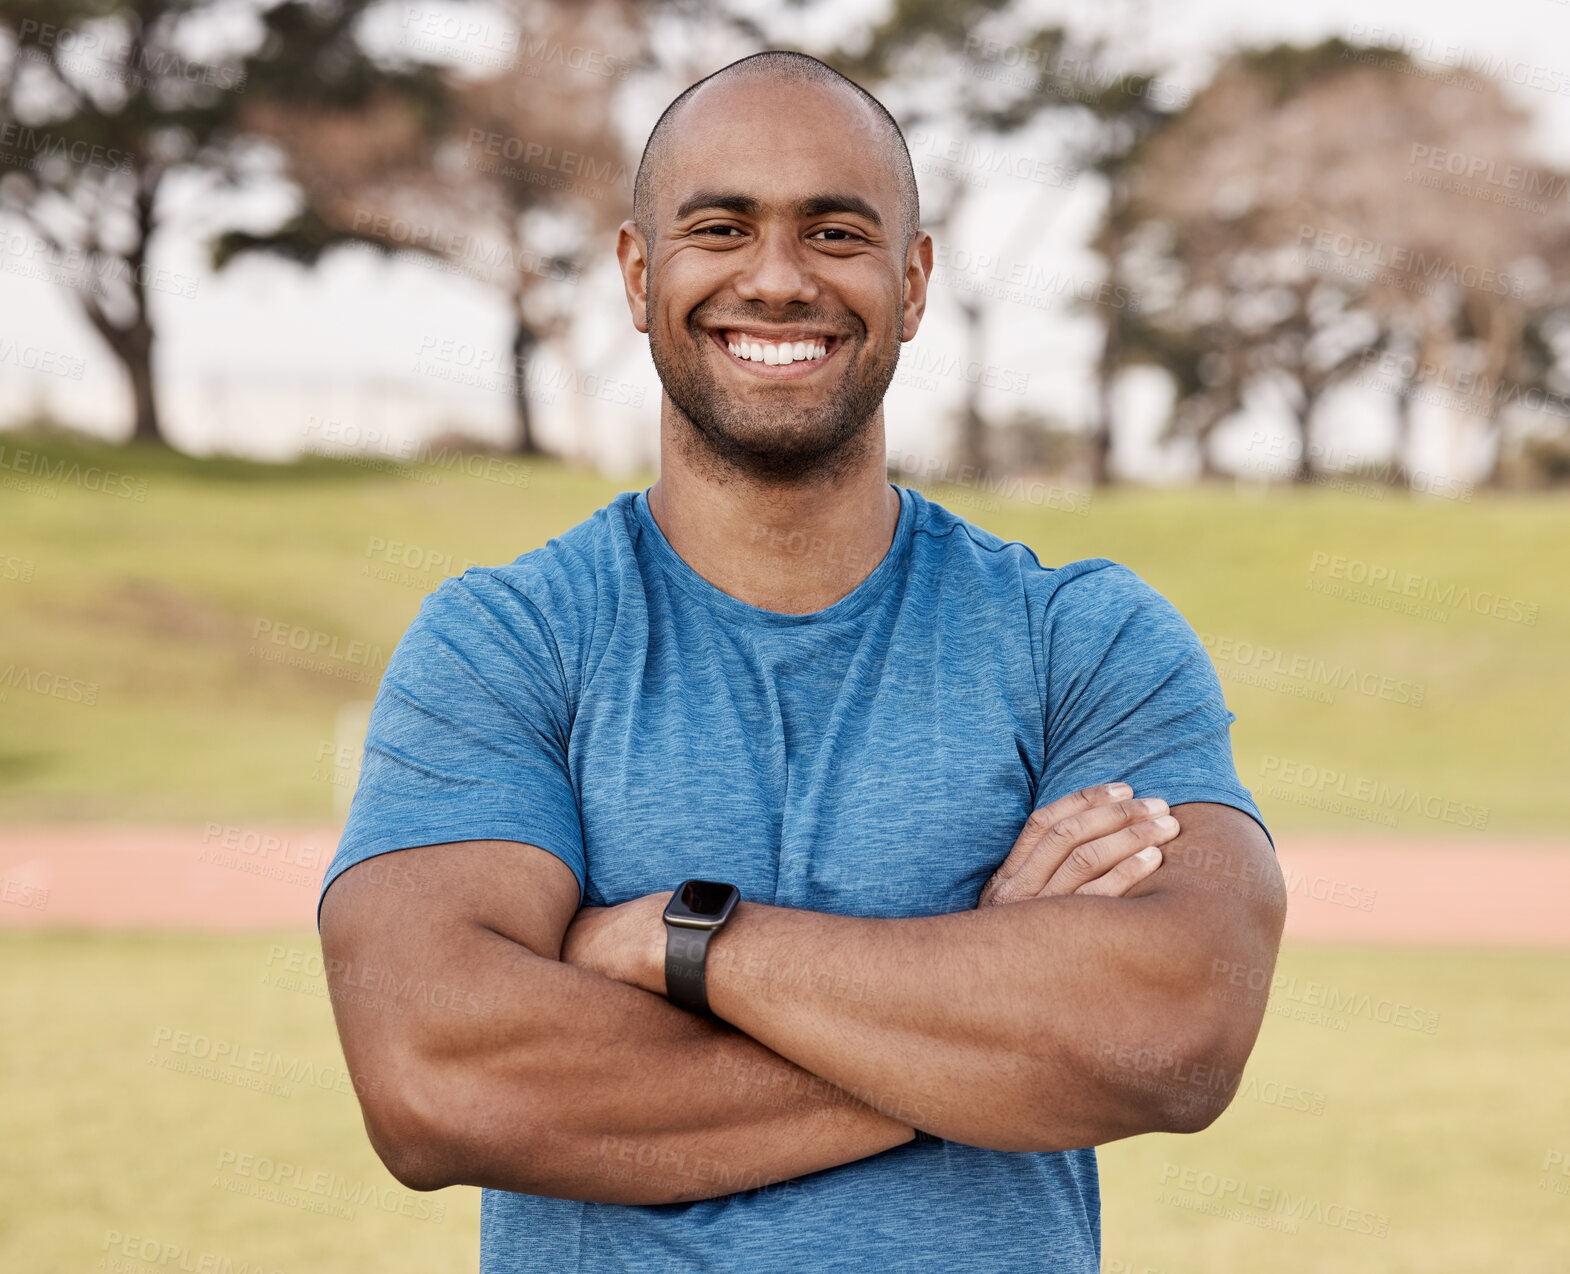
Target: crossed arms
<point>1079,1003</point>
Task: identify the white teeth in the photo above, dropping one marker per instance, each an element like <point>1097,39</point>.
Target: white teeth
<point>777,355</point>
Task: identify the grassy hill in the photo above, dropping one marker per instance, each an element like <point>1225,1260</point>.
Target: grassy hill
<point>178,637</point>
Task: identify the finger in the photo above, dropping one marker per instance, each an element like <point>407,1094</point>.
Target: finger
<point>1127,874</point>
<point>1074,839</point>
<point>1043,819</point>
<point>1092,861</point>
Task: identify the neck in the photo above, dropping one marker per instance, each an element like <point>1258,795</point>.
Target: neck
<point>791,547</point>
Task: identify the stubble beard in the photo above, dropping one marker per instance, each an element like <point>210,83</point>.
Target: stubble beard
<point>780,442</point>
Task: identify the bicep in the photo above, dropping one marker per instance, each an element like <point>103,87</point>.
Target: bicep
<point>520,891</point>
<point>1220,881</point>
<point>395,925</point>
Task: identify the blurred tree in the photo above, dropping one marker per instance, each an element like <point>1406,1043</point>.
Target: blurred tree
<point>1292,226</point>
<point>1002,72</point>
<point>528,173</point>
<point>103,101</point>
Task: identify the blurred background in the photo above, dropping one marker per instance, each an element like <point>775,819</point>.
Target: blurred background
<point>307,306</point>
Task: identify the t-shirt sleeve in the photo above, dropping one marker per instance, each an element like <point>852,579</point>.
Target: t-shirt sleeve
<point>468,735</point>
<point>1131,695</point>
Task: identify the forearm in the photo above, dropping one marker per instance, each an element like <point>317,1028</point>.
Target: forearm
<point>578,1086</point>
<point>1002,1027</point>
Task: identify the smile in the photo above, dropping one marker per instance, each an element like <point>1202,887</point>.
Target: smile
<point>772,355</point>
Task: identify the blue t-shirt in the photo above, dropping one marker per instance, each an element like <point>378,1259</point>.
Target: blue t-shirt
<point>600,699</point>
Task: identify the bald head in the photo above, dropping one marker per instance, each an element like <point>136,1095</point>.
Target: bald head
<point>786,68</point>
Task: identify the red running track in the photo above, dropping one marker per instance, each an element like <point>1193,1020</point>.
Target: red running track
<point>1472,893</point>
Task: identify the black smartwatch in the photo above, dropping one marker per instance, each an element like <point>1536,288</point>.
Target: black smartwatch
<point>694,914</point>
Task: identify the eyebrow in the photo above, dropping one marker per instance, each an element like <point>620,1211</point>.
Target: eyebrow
<point>748,206</point>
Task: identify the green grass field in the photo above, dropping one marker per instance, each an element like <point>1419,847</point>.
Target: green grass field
<point>149,593</point>
<point>1371,1145</point>
<point>139,588</point>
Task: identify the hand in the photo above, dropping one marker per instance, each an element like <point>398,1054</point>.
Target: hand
<point>1094,841</point>
<point>625,942</point>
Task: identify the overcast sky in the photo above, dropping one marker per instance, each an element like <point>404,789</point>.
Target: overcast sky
<point>268,357</point>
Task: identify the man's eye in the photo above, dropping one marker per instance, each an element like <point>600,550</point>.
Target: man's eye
<point>844,234</point>
<point>720,231</point>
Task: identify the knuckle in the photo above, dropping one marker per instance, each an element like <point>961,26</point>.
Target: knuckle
<point>1066,831</point>
<point>1082,862</point>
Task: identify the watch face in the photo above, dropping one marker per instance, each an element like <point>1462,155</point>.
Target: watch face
<point>702,901</point>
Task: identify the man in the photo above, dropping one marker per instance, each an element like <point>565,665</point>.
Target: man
<point>776,671</point>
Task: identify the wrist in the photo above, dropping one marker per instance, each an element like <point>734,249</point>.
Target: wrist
<point>694,916</point>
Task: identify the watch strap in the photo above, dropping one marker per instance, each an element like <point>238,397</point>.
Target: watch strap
<point>686,953</point>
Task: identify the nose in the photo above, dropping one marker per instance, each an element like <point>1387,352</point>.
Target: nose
<point>777,270</point>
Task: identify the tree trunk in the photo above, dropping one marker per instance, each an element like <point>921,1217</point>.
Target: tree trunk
<point>133,348</point>
<point>138,360</point>
<point>1305,429</point>
<point>973,430</point>
<point>132,343</point>
<point>1099,452</point>
<point>524,342</point>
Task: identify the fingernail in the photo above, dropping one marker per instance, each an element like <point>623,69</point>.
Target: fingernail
<point>1150,856</point>
<point>1119,791</point>
<point>1166,823</point>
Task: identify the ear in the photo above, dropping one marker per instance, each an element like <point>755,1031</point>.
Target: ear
<point>918,273</point>
<point>632,256</point>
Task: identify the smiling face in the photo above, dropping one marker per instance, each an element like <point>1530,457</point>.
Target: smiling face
<point>777,286</point>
